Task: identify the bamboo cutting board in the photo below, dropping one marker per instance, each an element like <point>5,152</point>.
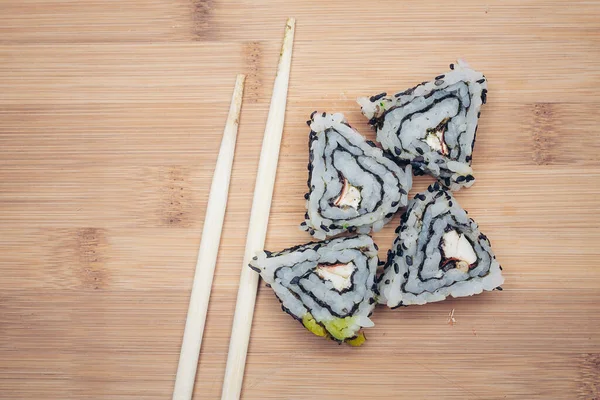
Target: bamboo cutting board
<point>111,115</point>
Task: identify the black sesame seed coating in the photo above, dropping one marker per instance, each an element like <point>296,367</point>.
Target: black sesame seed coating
<point>377,97</point>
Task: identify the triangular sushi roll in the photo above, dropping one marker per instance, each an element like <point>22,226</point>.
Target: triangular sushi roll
<point>439,252</point>
<point>352,185</point>
<point>432,125</point>
<point>328,286</point>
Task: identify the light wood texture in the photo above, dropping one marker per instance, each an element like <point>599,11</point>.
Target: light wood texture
<point>259,219</point>
<point>104,179</point>
<point>207,254</point>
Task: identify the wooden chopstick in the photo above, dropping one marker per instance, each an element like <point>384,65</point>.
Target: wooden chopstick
<point>207,254</point>
<point>257,230</point>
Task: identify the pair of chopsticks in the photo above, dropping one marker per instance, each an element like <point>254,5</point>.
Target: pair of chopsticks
<point>257,230</point>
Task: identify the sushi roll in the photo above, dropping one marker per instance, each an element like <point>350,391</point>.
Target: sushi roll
<point>432,125</point>
<point>353,185</point>
<point>439,252</point>
<point>328,286</point>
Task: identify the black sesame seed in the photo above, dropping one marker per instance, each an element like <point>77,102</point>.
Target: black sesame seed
<point>370,143</point>
<point>438,195</point>
<point>397,150</point>
<point>375,245</point>
<point>308,122</point>
<point>419,150</point>
<point>484,96</point>
<point>405,275</point>
<point>306,196</point>
<point>439,77</point>
<point>479,114</point>
<point>481,80</point>
<point>500,266</point>
<point>313,114</point>
<point>394,203</point>
<point>387,282</point>
<point>295,280</point>
<point>377,97</point>
<point>267,285</point>
<point>373,121</point>
<point>323,227</point>
<point>403,191</point>
<point>499,288</point>
<point>470,178</point>
<point>324,114</point>
<point>468,158</point>
<point>430,189</point>
<point>451,66</point>
<point>396,268</point>
<point>311,231</point>
<point>303,223</point>
<point>460,179</point>
<point>418,159</point>
<point>409,260</point>
<point>371,300</point>
<point>447,181</point>
<point>254,268</point>
<point>420,197</point>
<point>436,186</point>
<point>450,204</point>
<point>332,226</point>
<point>305,215</point>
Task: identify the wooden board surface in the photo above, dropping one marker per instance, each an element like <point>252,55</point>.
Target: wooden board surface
<point>111,114</point>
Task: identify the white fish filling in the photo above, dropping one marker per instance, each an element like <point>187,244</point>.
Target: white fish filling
<point>435,138</point>
<point>340,275</point>
<point>456,246</point>
<point>350,196</point>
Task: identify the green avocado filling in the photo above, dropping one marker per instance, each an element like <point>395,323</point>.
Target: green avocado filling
<point>338,329</point>
<point>309,323</point>
<point>357,341</point>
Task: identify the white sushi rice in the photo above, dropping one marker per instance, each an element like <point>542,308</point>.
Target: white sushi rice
<point>378,185</point>
<point>415,271</point>
<point>294,276</point>
<point>410,124</point>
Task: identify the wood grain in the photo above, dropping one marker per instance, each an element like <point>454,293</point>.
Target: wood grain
<point>111,114</point>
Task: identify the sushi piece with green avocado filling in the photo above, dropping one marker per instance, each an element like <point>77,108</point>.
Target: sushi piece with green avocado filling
<point>328,286</point>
